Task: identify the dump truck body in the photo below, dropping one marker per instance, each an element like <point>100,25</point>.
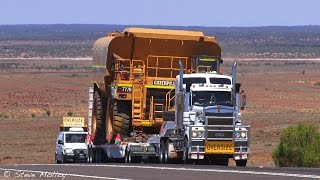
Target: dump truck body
<point>133,73</point>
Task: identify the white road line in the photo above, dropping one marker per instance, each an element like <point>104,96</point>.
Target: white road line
<point>188,169</point>
<point>63,175</point>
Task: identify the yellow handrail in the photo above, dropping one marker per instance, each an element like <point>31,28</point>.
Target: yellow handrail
<point>122,69</point>
<point>168,63</point>
<point>168,100</point>
<point>138,68</point>
<point>151,108</point>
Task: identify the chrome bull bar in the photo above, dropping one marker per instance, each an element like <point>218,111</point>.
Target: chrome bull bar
<point>239,135</point>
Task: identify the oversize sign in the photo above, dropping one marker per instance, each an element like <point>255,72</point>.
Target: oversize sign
<point>73,121</point>
<point>219,147</point>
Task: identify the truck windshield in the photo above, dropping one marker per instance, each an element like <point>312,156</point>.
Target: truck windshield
<point>211,98</point>
<point>75,138</point>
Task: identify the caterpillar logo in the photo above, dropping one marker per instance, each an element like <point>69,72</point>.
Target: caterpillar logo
<point>163,83</point>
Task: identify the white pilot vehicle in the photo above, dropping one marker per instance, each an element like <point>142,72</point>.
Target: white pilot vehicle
<point>71,141</point>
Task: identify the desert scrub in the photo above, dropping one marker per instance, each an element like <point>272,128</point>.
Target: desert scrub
<point>298,147</point>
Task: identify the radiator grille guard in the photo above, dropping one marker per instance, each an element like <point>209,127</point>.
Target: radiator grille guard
<point>220,127</point>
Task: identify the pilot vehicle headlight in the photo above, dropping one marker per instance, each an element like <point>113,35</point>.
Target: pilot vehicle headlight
<point>68,151</point>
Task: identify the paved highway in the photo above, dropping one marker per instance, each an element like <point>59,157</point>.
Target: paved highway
<point>151,171</point>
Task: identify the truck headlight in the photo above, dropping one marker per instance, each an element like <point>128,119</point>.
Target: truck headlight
<point>194,134</point>
<point>237,135</point>
<point>197,134</point>
<point>243,135</point>
<point>68,151</point>
<point>201,134</point>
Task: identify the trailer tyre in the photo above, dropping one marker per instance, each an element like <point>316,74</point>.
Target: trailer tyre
<point>164,151</point>
<point>89,155</point>
<point>128,157</point>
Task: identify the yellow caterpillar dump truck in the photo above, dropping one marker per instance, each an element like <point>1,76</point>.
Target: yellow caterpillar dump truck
<point>134,81</point>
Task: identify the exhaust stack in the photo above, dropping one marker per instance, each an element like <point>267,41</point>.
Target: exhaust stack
<point>180,102</point>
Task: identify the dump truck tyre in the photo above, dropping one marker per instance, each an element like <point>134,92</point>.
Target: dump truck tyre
<point>121,119</point>
<point>98,120</point>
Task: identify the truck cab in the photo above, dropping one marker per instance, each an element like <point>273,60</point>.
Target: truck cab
<point>71,143</point>
<point>207,120</point>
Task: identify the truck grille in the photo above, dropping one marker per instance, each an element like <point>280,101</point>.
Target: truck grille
<point>216,134</point>
<point>220,125</point>
<point>220,120</point>
<point>219,114</point>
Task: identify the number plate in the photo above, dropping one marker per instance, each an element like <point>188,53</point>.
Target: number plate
<point>219,147</point>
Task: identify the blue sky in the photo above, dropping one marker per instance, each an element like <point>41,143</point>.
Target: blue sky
<point>162,12</point>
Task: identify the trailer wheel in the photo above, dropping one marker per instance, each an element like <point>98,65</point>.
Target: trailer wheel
<point>164,151</point>
<point>127,156</point>
<point>98,120</point>
<point>185,157</point>
<point>241,163</point>
<point>89,154</point>
<point>121,118</point>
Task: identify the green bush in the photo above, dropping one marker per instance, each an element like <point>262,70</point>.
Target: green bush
<point>298,147</point>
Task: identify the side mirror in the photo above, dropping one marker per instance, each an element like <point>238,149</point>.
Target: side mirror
<point>243,100</point>
<point>60,142</point>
